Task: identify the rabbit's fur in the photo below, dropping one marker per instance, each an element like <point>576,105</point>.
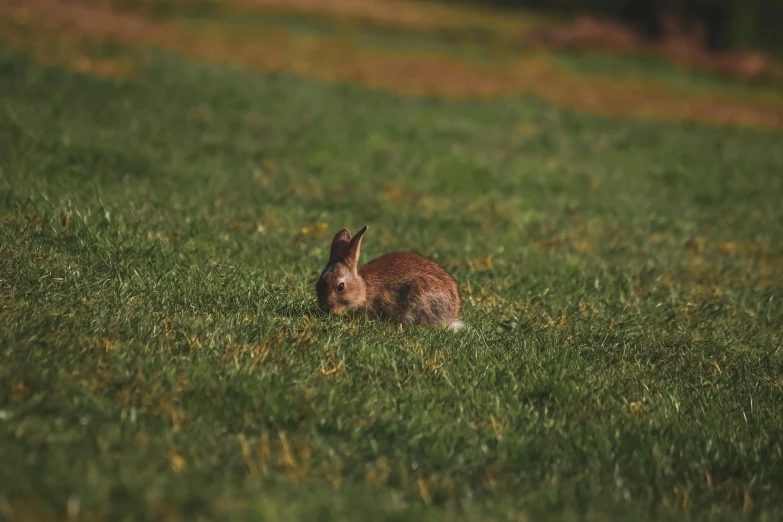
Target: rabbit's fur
<point>401,286</point>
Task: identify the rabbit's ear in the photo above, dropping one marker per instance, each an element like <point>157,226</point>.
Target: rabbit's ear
<point>340,245</point>
<point>355,248</point>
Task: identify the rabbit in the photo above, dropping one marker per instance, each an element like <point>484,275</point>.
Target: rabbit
<point>401,286</point>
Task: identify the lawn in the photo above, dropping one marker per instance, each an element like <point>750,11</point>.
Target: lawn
<point>162,355</point>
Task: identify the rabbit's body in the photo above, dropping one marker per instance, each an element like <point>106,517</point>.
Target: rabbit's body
<point>412,288</point>
<point>402,286</point>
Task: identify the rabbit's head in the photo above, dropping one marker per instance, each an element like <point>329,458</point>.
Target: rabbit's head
<point>340,288</point>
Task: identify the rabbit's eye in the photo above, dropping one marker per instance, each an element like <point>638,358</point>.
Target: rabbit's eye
<point>341,287</point>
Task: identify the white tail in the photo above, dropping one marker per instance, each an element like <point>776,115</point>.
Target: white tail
<point>457,325</point>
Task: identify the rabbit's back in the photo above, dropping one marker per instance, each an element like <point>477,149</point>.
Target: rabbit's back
<point>411,288</point>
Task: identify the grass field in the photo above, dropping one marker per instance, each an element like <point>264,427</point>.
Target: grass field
<point>162,357</point>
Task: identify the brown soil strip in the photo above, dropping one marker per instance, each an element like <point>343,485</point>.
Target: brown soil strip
<point>412,15</point>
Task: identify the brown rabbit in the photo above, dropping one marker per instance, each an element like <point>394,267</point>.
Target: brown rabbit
<point>401,286</point>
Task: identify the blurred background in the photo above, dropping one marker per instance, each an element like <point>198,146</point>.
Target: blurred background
<point>713,61</point>
<point>732,37</point>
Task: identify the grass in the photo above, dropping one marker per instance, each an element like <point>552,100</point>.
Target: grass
<point>163,358</point>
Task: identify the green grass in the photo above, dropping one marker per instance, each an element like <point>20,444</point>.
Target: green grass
<point>658,69</point>
<point>162,355</point>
